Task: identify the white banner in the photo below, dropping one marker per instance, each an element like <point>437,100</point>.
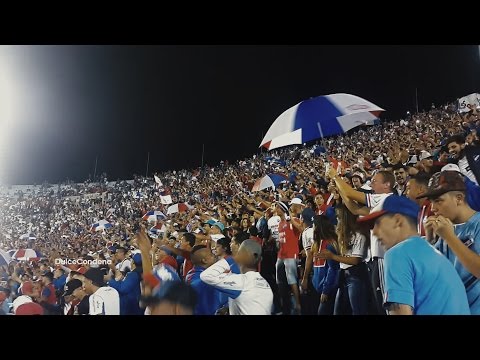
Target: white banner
<point>466,103</point>
<point>166,200</point>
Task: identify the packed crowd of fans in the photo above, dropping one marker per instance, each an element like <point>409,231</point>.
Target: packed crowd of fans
<point>347,232</point>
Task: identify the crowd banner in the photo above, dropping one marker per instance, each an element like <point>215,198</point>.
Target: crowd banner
<point>469,102</point>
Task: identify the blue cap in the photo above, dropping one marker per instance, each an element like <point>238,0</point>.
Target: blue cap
<point>392,204</point>
<point>137,259</point>
<point>210,222</point>
<point>307,216</point>
<point>219,225</point>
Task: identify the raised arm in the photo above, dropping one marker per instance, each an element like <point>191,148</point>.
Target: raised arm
<point>346,191</point>
<point>220,276</point>
<point>355,208</point>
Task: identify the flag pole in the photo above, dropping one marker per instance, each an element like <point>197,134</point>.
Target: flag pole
<point>95,171</point>
<point>416,99</point>
<point>321,134</point>
<point>148,162</point>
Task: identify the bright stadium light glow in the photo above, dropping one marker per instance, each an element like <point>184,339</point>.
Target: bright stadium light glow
<point>9,104</point>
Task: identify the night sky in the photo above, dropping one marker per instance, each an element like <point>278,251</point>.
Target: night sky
<point>68,104</point>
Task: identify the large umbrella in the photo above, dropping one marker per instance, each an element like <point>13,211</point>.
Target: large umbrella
<point>5,258</point>
<point>318,118</point>
<point>25,254</point>
<point>270,180</point>
<point>153,216</point>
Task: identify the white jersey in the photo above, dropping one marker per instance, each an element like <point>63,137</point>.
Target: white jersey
<point>124,264</point>
<point>307,238</point>
<point>465,169</point>
<point>272,224</point>
<point>376,248</point>
<point>358,249</point>
<point>249,293</point>
<point>104,301</point>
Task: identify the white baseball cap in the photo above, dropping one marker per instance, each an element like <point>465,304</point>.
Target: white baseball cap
<point>424,155</point>
<point>296,200</point>
<point>451,167</point>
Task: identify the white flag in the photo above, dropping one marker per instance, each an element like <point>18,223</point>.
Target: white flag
<point>166,200</point>
<point>158,181</point>
<point>466,103</point>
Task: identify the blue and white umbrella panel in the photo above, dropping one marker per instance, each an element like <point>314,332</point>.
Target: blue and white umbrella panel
<point>320,117</point>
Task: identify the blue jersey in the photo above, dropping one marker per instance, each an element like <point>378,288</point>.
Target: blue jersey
<point>418,275</point>
<point>208,297</point>
<point>234,268</point>
<point>469,234</point>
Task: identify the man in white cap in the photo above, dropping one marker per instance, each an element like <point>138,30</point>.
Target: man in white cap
<point>296,208</point>
<point>426,164</point>
<point>358,180</point>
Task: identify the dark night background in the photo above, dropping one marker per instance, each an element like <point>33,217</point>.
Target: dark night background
<point>120,102</point>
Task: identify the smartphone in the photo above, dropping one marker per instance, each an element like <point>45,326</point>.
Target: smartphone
<point>277,197</point>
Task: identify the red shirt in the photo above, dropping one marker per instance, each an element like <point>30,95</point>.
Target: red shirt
<point>288,237</point>
<point>322,209</point>
<point>170,260</point>
<point>326,196</point>
<point>187,263</point>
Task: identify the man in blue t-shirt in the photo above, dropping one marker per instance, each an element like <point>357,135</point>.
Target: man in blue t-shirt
<point>209,298</point>
<point>418,279</point>
<point>456,227</point>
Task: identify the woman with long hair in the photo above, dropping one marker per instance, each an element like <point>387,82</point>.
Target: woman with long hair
<point>325,272</point>
<point>245,225</point>
<point>352,296</point>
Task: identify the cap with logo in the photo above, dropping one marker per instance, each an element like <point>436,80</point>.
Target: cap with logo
<point>392,204</point>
